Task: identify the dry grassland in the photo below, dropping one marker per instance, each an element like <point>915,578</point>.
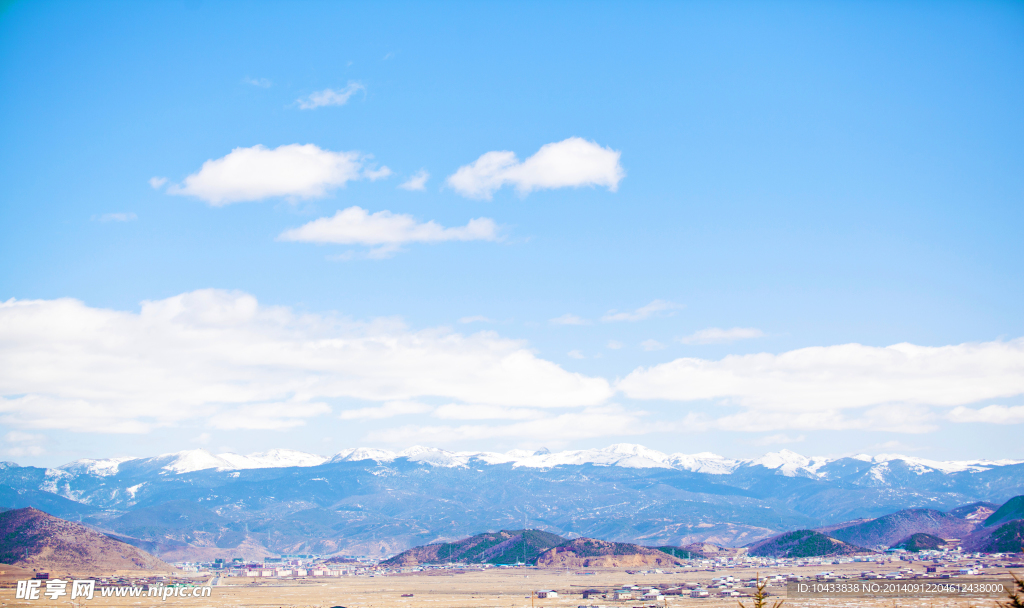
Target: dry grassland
<point>487,589</point>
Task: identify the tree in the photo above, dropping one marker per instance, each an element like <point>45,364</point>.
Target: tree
<point>761,595</point>
<point>1016,594</point>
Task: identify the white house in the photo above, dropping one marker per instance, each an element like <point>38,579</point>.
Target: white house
<point>546,593</point>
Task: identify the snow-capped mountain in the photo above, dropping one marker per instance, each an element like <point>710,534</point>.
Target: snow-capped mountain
<point>369,500</point>
<point>784,462</point>
<point>199,460</point>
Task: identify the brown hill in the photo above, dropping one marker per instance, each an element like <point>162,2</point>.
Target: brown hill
<point>31,538</point>
<point>710,550</point>
<point>593,553</point>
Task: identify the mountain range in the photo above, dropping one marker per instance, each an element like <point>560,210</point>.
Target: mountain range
<point>888,530</point>
<point>365,501</point>
<point>621,455</point>
<point>981,526</point>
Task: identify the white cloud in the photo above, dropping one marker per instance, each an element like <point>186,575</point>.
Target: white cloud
<point>457,411</point>
<point>386,230</point>
<point>810,387</point>
<point>475,319</point>
<point>650,345</point>
<point>892,446</point>
<point>329,97</point>
<point>69,413</point>
<point>993,414</point>
<point>418,181</point>
<point>348,256</point>
<point>24,450</point>
<point>294,171</point>
<point>779,439</point>
<point>20,437</point>
<point>263,83</point>
<point>202,439</point>
<point>655,308</point>
<point>558,430</point>
<point>268,416</point>
<point>219,358</point>
<point>898,418</point>
<point>569,319</point>
<point>715,335</point>
<point>573,162</point>
<point>615,344</point>
<point>156,182</point>
<point>117,217</point>
<point>575,354</point>
<point>375,174</point>
<point>388,410</point>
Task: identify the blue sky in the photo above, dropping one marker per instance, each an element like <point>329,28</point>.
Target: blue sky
<point>772,177</point>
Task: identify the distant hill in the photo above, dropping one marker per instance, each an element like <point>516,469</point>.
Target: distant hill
<point>504,547</point>
<point>14,495</point>
<point>593,553</point>
<point>975,511</point>
<point>173,518</point>
<point>1004,538</point>
<point>802,543</point>
<point>1003,531</point>
<point>29,537</point>
<point>1011,510</point>
<point>890,529</point>
<point>920,542</point>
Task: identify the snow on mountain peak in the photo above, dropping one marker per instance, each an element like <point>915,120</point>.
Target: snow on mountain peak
<point>628,455</point>
<point>924,465</point>
<point>432,456</point>
<point>193,460</point>
<point>357,454</point>
<point>791,464</point>
<point>782,459</point>
<point>435,457</point>
<point>621,454</point>
<point>100,468</point>
<point>638,451</point>
<point>704,462</point>
<point>787,462</point>
<point>516,454</point>
<point>200,460</point>
<point>273,459</point>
